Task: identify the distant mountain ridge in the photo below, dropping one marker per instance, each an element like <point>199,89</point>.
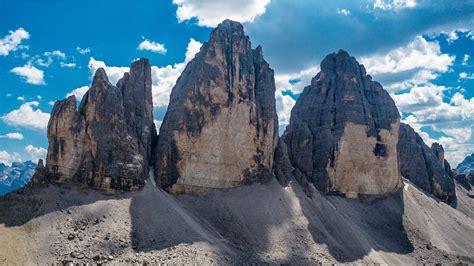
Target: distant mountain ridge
<point>467,165</point>
<point>15,176</point>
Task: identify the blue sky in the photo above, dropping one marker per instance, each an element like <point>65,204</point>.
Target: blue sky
<point>422,51</point>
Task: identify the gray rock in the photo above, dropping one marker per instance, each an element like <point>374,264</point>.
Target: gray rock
<point>343,131</point>
<point>424,166</point>
<point>467,165</point>
<point>220,129</point>
<point>107,143</point>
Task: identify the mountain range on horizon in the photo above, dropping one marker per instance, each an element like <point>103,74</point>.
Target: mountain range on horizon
<point>347,181</point>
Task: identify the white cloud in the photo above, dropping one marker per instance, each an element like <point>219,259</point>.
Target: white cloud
<point>78,92</point>
<point>113,73</point>
<point>464,75</point>
<point>83,50</point>
<point>55,53</point>
<point>147,45</point>
<point>26,116</point>
<point>8,158</point>
<point>12,41</point>
<point>36,153</point>
<point>30,74</point>
<point>13,135</point>
<point>284,104</point>
<point>20,98</point>
<point>342,11</point>
<point>394,4</point>
<point>157,124</point>
<point>415,64</point>
<point>465,59</point>
<point>163,78</point>
<point>210,13</point>
<point>295,82</point>
<point>68,65</point>
<point>454,118</point>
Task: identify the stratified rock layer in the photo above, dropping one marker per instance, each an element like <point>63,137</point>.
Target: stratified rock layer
<point>220,129</point>
<point>424,166</point>
<point>343,131</point>
<point>107,143</point>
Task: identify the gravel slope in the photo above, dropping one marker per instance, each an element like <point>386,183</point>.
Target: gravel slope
<point>257,223</point>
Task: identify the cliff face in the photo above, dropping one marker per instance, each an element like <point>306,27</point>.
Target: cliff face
<point>105,144</point>
<point>220,129</point>
<point>343,131</point>
<point>424,166</point>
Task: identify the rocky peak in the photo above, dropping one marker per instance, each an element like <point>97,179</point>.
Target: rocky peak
<point>220,129</point>
<point>343,131</point>
<point>425,166</point>
<point>105,144</point>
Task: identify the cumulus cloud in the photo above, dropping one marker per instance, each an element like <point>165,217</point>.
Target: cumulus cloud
<point>464,75</point>
<point>306,37</point>
<point>83,50</point>
<point>163,78</point>
<point>68,65</point>
<point>394,4</point>
<point>12,41</point>
<point>414,64</point>
<point>428,107</point>
<point>114,73</point>
<point>295,82</point>
<point>20,98</point>
<point>78,92</point>
<point>8,158</point>
<point>27,116</point>
<point>36,153</point>
<point>210,13</point>
<point>465,59</point>
<point>13,135</point>
<point>343,11</point>
<point>147,45</point>
<point>30,74</point>
<point>284,104</point>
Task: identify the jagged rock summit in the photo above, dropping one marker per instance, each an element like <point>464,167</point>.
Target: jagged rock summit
<point>343,131</point>
<point>105,144</point>
<point>220,129</point>
<point>425,166</point>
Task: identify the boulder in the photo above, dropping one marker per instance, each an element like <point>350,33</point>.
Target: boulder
<point>220,129</point>
<point>343,131</point>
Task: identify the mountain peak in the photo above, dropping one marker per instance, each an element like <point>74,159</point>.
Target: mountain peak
<point>100,76</point>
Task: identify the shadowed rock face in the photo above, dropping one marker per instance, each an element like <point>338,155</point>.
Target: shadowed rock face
<point>107,143</point>
<point>424,166</point>
<point>467,165</point>
<point>343,131</point>
<point>220,129</point>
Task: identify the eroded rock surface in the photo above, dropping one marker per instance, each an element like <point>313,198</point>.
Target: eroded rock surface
<point>220,129</point>
<point>343,131</point>
<point>424,166</point>
<point>107,143</point>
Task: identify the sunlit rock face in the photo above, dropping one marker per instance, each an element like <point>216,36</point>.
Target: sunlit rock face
<point>220,129</point>
<point>425,166</point>
<point>107,143</point>
<point>343,131</point>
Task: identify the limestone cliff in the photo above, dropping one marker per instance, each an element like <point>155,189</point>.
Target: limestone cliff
<point>105,144</point>
<point>220,129</point>
<point>424,166</point>
<point>343,131</point>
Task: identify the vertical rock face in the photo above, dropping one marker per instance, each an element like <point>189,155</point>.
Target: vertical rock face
<point>343,131</point>
<point>220,129</point>
<point>424,166</point>
<point>107,142</point>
